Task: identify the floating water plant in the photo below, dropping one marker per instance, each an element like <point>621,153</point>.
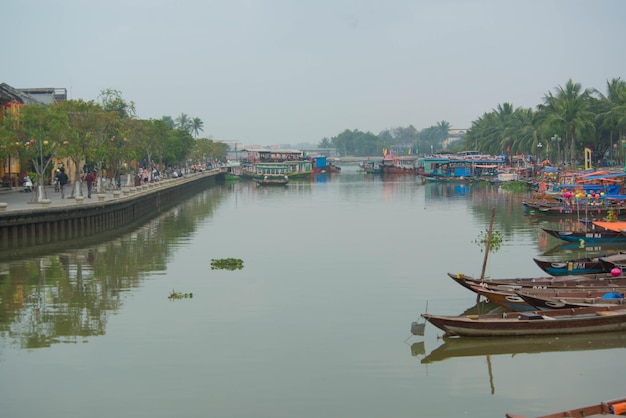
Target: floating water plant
<point>179,295</point>
<point>227,264</point>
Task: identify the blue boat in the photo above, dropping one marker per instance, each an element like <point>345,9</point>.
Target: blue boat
<point>601,233</point>
<point>574,267</point>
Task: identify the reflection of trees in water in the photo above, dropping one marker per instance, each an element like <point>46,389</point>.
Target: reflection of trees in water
<point>64,296</point>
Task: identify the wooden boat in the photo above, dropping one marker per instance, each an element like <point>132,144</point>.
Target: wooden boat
<point>552,322</point>
<point>546,302</point>
<point>577,266</point>
<point>532,299</point>
<point>609,262</point>
<point>455,347</point>
<point>614,407</point>
<point>579,281</point>
<point>507,299</point>
<point>601,232</point>
<point>279,181</point>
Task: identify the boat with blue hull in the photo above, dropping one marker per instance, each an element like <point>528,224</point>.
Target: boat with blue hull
<point>601,233</point>
<point>574,267</point>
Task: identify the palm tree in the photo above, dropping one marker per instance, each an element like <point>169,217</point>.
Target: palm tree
<point>183,122</point>
<point>611,113</point>
<point>568,113</point>
<point>196,126</point>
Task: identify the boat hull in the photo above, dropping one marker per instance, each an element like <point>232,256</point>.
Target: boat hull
<point>591,237</point>
<point>574,267</point>
<point>553,322</point>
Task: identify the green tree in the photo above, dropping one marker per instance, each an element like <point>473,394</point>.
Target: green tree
<point>567,113</point>
<point>197,126</point>
<point>38,133</point>
<point>183,122</point>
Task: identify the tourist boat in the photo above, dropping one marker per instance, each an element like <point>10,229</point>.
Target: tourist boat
<point>563,301</point>
<point>371,167</point>
<point>579,281</point>
<point>552,322</point>
<point>577,266</point>
<point>275,181</point>
<point>614,407</point>
<point>460,167</point>
<point>231,172</point>
<point>398,164</point>
<point>601,232</point>
<point>454,347</point>
<point>275,163</point>
<point>321,165</point>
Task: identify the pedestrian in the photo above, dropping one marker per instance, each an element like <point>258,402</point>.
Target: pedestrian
<point>63,179</point>
<point>57,188</point>
<point>146,175</point>
<point>89,179</point>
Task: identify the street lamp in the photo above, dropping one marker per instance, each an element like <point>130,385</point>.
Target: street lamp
<point>557,139</point>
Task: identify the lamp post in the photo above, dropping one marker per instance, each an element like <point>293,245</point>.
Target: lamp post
<point>539,146</point>
<point>40,188</point>
<point>557,139</point>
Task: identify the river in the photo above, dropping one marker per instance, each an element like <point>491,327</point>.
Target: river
<point>315,324</point>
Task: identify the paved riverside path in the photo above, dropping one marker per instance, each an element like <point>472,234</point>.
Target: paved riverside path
<point>18,200</point>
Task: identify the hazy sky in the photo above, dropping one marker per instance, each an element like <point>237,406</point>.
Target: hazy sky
<point>293,71</point>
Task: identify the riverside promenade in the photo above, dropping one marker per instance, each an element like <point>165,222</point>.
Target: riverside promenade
<point>27,222</point>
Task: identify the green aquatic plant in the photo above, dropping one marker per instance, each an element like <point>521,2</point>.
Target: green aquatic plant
<point>180,295</point>
<point>227,264</point>
<point>515,186</point>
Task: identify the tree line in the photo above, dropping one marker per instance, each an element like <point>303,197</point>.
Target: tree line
<point>104,134</point>
<point>567,121</point>
<point>401,140</point>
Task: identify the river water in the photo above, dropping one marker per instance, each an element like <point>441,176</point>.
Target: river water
<point>315,324</point>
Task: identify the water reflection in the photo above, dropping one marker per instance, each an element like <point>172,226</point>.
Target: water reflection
<point>67,296</point>
<point>455,347</point>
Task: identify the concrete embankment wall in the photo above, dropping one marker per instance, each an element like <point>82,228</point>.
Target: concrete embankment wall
<point>41,227</point>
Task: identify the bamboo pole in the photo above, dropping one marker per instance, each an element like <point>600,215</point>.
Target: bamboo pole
<point>488,243</point>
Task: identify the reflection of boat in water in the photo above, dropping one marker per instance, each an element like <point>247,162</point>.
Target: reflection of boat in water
<point>484,346</point>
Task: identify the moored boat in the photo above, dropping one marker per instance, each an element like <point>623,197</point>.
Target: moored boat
<point>609,262</point>
<point>552,322</point>
<point>614,407</point>
<point>398,164</point>
<point>278,163</point>
<point>545,302</point>
<point>577,266</point>
<point>596,280</point>
<point>601,232</point>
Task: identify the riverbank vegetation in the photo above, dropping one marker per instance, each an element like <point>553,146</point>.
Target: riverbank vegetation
<point>566,121</point>
<point>105,134</point>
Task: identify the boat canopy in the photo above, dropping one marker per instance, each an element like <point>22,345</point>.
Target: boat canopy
<point>611,226</point>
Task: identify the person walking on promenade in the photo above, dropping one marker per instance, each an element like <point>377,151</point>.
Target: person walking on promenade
<point>63,179</point>
<point>89,179</point>
<point>57,187</point>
